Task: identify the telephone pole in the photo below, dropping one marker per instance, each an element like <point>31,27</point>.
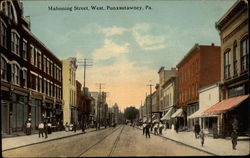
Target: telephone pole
<point>85,63</point>
<point>151,107</point>
<point>99,104</point>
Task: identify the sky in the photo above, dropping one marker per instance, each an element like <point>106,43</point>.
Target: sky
<point>127,47</point>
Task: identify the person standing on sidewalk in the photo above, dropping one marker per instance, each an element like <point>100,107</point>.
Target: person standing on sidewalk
<point>234,137</point>
<point>197,130</point>
<point>147,130</point>
<point>161,128</point>
<point>144,128</point>
<point>202,137</point>
<point>176,126</point>
<point>46,130</point>
<point>40,129</point>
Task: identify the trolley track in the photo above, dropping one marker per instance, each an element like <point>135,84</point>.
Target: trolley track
<point>98,142</point>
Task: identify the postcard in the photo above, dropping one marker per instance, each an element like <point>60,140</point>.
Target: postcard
<point>104,78</point>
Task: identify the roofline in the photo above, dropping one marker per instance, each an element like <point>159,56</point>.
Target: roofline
<point>41,43</point>
<point>194,48</point>
<point>224,17</point>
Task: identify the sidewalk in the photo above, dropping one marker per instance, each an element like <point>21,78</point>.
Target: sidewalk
<point>15,142</point>
<point>219,146</point>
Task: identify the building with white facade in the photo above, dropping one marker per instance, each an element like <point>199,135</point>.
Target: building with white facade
<point>70,113</point>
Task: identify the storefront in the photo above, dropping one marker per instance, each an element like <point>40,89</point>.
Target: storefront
<point>167,117</point>
<point>229,109</point>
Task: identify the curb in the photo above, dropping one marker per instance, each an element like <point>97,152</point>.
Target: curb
<point>213,154</point>
<point>51,140</point>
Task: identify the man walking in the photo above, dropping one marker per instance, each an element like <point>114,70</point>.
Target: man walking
<point>197,129</point>
<point>147,130</point>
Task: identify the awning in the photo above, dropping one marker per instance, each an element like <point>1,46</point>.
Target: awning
<point>167,116</point>
<point>144,119</point>
<point>154,117</point>
<point>178,113</point>
<point>226,105</point>
<point>196,114</point>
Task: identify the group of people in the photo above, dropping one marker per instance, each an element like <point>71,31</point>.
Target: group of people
<point>158,127</point>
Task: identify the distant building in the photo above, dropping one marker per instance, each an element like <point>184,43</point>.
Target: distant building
<point>70,113</point>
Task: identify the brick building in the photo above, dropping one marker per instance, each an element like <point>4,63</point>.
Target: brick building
<point>31,75</point>
<point>199,67</point>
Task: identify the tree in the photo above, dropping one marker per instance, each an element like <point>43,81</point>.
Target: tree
<point>130,113</point>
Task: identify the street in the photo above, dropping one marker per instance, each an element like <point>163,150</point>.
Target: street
<point>119,141</point>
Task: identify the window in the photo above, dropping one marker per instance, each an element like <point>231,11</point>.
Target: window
<point>39,60</point>
<point>226,64</point>
<point>3,34</point>
<point>24,52</point>
<point>15,74</point>
<point>3,69</point>
<point>25,78</point>
<point>51,68</point>
<point>35,57</point>
<point>15,42</point>
<point>41,83</point>
<point>8,9</point>
<point>44,86</point>
<point>47,66</point>
<point>244,54</point>
<point>32,55</point>
<point>235,58</point>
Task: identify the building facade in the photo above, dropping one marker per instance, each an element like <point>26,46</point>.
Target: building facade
<point>233,31</point>
<point>199,67</point>
<point>31,75</point>
<point>70,113</point>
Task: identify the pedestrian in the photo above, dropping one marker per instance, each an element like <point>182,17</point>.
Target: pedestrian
<point>161,128</point>
<point>28,127</point>
<point>147,130</point>
<point>46,130</point>
<point>40,129</point>
<point>156,127</point>
<point>202,137</point>
<point>234,137</point>
<point>66,127</point>
<point>74,127</point>
<point>144,128</point>
<point>197,129</point>
<point>176,126</point>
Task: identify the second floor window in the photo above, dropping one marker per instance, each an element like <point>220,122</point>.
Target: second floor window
<point>3,69</point>
<point>244,54</point>
<point>3,34</point>
<point>24,50</point>
<point>15,74</point>
<point>24,78</point>
<point>32,55</point>
<point>235,59</point>
<point>15,43</point>
<point>226,65</point>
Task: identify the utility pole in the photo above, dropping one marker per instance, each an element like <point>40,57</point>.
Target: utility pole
<point>146,106</point>
<point>85,63</point>
<point>99,104</point>
<point>151,107</point>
